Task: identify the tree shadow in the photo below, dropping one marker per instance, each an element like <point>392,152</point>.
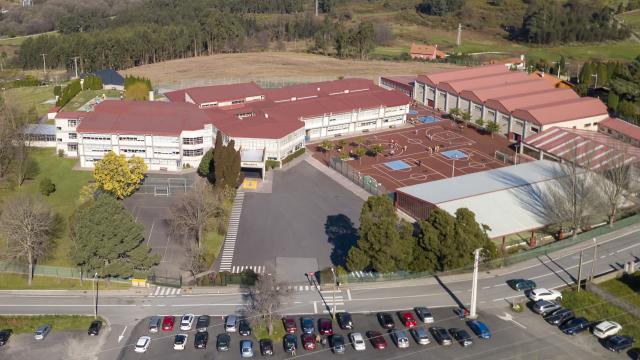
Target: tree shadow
<point>342,235</point>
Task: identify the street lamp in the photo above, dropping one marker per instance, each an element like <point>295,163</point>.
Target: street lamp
<point>474,284</point>
<point>595,256</point>
<point>95,296</point>
<point>335,285</point>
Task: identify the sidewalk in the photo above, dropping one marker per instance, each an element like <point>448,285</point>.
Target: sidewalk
<point>337,177</point>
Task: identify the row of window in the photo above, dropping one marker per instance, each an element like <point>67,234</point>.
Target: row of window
<point>192,141</point>
<point>194,152</point>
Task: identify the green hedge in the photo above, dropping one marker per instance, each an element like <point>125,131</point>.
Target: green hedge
<point>293,156</point>
<point>92,82</point>
<point>28,80</point>
<point>69,92</point>
<point>271,164</point>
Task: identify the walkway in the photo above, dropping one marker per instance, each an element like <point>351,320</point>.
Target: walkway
<point>232,233</point>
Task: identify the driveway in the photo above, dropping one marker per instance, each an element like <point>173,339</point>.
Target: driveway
<point>307,223</point>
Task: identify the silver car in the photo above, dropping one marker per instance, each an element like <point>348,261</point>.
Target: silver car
<point>154,324</point>
<point>231,324</point>
<point>246,348</point>
<point>544,307</point>
<point>420,335</point>
<point>401,338</point>
<point>42,332</point>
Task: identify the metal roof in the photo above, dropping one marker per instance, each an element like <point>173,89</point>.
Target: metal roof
<point>40,129</point>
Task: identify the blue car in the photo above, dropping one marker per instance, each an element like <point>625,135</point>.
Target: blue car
<point>307,325</point>
<point>479,328</point>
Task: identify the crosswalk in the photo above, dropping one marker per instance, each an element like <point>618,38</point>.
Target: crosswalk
<point>256,269</point>
<point>329,297</point>
<point>232,233</point>
<point>164,291</point>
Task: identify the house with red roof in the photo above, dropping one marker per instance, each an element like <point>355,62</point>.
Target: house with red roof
<point>426,52</point>
<point>621,130</point>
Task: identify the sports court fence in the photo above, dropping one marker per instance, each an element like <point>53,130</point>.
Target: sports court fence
<point>505,158</point>
<point>364,181</point>
<point>50,271</point>
<point>164,186</point>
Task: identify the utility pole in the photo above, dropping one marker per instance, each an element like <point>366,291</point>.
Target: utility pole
<point>95,296</point>
<point>335,288</point>
<point>44,64</point>
<point>459,37</point>
<point>317,8</point>
<point>596,83</point>
<point>595,256</point>
<point>474,284</point>
<point>580,269</point>
<point>75,62</point>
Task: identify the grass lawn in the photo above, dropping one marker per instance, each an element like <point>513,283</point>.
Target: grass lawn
<point>212,245</point>
<point>63,200</point>
<point>632,19</point>
<point>19,282</point>
<point>25,98</point>
<point>261,332</point>
<point>594,308</point>
<point>84,96</point>
<point>627,287</point>
<point>26,324</point>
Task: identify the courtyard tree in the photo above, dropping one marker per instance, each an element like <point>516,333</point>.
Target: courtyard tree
<point>28,225</point>
<point>227,166</point>
<point>493,128</point>
<point>480,122</point>
<point>118,175</point>
<point>360,152</point>
<point>340,144</point>
<point>46,186</point>
<point>206,164</point>
<point>455,113</point>
<point>344,156</point>
<point>376,149</point>
<point>263,301</point>
<point>108,240</point>
<point>195,210</point>
<point>466,117</point>
<point>326,146</point>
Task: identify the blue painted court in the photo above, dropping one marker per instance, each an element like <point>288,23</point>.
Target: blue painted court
<point>454,154</point>
<point>397,165</point>
<point>413,112</point>
<point>427,119</point>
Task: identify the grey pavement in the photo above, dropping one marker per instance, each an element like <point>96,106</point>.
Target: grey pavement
<point>58,345</point>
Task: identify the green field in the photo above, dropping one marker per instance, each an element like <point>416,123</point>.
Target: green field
<point>19,282</point>
<point>84,96</point>
<point>22,324</point>
<point>627,288</point>
<point>24,98</point>
<point>63,201</point>
<point>212,245</point>
<point>631,19</point>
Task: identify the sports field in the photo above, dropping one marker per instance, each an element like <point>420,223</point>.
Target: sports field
<point>434,150</point>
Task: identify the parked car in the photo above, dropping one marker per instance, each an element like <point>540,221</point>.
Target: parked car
<point>186,322</point>
<point>244,328</point>
<point>461,336</point>
<point>619,343</point>
<point>42,332</point>
<point>386,320</point>
<point>479,328</point>
<point>180,341</point>
<point>337,343</point>
<point>634,354</point>
<point>606,328</point>
<point>266,347</point>
<point>544,307</point>
<point>203,322</point>
<point>246,348</point>
<point>289,325</point>
<point>424,314</point>
<point>357,341</point>
<point>440,335</point>
<point>4,337</point>
<point>201,339</point>
<point>308,341</point>
<point>559,316</point>
<point>400,338</point>
<point>290,343</point>
<point>420,335</point>
<point>230,325</point>
<point>94,328</point>
<point>344,320</point>
<point>325,326</point>
<point>544,294</point>
<point>154,324</point>
<point>408,320</point>
<point>306,324</point>
<point>376,339</point>
<point>521,284</point>
<point>222,342</point>
<point>575,326</point>
<point>167,323</point>
<point>142,345</point>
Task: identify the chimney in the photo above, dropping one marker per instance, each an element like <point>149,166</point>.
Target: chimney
<point>541,74</point>
<point>266,116</point>
<point>151,95</point>
<point>318,89</point>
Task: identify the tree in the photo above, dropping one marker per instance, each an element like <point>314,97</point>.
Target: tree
<point>12,145</point>
<point>376,149</point>
<point>360,152</point>
<point>118,175</point>
<point>108,240</point>
<point>264,299</point>
<point>137,91</point>
<point>440,7</point>
<point>196,260</point>
<point>226,162</point>
<point>613,100</point>
<point>383,239</point>
<point>455,113</point>
<point>340,144</point>
<point>27,224</point>
<point>206,164</point>
<point>480,122</point>
<point>195,210</point>
<point>326,146</point>
<point>344,156</point>
<point>23,166</point>
<point>466,117</point>
<point>47,187</point>
<point>493,128</point>
<point>616,181</point>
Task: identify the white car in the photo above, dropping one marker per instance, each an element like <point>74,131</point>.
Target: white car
<point>606,329</point>
<point>186,322</point>
<point>357,341</point>
<point>180,341</point>
<point>143,344</point>
<point>545,294</point>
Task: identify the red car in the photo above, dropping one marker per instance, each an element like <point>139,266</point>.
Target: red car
<point>289,325</point>
<point>408,320</point>
<point>377,340</point>
<point>167,323</point>
<point>309,342</point>
<point>325,326</point>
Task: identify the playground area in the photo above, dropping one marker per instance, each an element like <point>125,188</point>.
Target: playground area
<point>432,149</point>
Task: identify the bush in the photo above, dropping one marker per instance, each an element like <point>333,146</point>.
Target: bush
<point>57,90</point>
<point>47,187</point>
<point>60,153</point>
<point>293,156</point>
<point>92,82</point>
<point>69,92</point>
<point>271,164</point>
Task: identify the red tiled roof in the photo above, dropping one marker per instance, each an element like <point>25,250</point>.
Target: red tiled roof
<point>175,96</point>
<point>220,93</point>
<point>71,115</point>
<point>481,95</point>
<point>434,79</point>
<point>622,127</point>
<point>429,50</point>
<point>562,111</point>
<point>506,104</point>
<point>318,88</point>
<point>143,118</point>
<point>587,148</point>
<point>455,87</point>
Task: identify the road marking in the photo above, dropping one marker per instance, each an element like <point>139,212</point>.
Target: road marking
<point>508,317</point>
<point>627,248</point>
<point>206,304</point>
<point>315,307</point>
<point>151,231</point>
<point>486,287</point>
<point>398,297</point>
<point>603,256</point>
<point>498,285</point>
<point>122,335</point>
<point>349,294</point>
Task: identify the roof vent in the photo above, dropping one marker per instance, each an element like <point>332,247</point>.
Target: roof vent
<point>318,89</point>
<point>266,116</point>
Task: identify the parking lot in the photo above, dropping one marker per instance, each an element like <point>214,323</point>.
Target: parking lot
<point>529,338</point>
<point>58,345</point>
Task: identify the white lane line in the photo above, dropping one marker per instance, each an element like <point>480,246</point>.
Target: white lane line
<point>315,307</point>
<point>349,294</point>
<point>204,304</point>
<point>627,248</point>
<point>151,231</point>
<point>486,287</point>
<point>603,256</point>
<point>498,285</point>
<point>398,297</point>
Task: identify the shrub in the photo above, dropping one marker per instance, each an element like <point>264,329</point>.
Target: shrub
<point>293,156</point>
<point>69,92</point>
<point>271,164</point>
<point>57,90</point>
<point>47,187</point>
<point>60,153</point>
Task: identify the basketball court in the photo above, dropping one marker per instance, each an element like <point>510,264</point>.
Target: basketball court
<point>433,149</point>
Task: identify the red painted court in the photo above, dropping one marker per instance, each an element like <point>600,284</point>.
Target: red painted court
<point>419,164</point>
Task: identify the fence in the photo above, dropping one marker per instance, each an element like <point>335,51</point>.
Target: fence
<point>166,280</point>
<point>364,181</point>
<point>50,271</point>
<point>164,186</point>
<point>264,83</point>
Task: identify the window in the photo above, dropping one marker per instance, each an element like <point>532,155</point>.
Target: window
<point>367,123</point>
<point>73,136</point>
<point>131,138</point>
<point>196,152</point>
<point>133,151</point>
<point>96,137</point>
<point>587,125</point>
<point>58,128</point>
<point>162,152</point>
<point>72,123</point>
<point>534,130</point>
<point>72,147</point>
<point>192,141</point>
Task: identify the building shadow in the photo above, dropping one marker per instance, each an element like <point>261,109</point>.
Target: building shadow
<point>342,234</point>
